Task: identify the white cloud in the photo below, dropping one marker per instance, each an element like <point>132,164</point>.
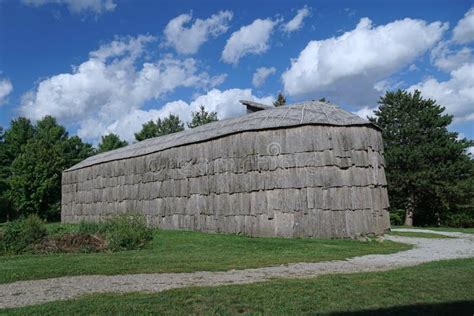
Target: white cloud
<point>109,84</point>
<point>261,75</point>
<point>470,150</point>
<point>413,67</point>
<point>187,40</point>
<point>446,59</point>
<point>78,6</point>
<point>225,103</point>
<point>250,39</point>
<point>463,33</point>
<point>456,94</point>
<point>6,88</point>
<point>297,22</point>
<point>343,66</point>
<point>366,112</point>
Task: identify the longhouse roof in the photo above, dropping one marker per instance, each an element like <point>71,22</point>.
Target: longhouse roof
<point>305,113</point>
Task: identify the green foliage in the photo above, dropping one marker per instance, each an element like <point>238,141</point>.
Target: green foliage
<point>20,235</point>
<point>35,181</point>
<point>168,125</point>
<point>323,100</point>
<point>127,233</point>
<point>280,101</point>
<point>460,219</point>
<point>202,117</point>
<point>397,216</point>
<point>110,142</point>
<point>428,170</point>
<point>12,142</point>
<point>122,232</point>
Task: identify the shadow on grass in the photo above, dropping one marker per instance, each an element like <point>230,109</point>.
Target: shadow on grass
<point>450,308</point>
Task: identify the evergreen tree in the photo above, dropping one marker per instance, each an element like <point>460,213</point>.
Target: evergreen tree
<point>323,100</point>
<point>149,130</point>
<point>110,142</point>
<point>202,117</point>
<point>428,170</point>
<point>280,101</point>
<point>168,125</point>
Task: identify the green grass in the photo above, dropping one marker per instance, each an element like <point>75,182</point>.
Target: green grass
<point>445,287</point>
<point>185,251</point>
<point>419,235</point>
<point>442,229</point>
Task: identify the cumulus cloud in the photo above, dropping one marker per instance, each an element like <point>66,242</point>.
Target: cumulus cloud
<point>297,22</point>
<point>78,6</point>
<point>356,60</point>
<point>463,33</point>
<point>261,74</point>
<point>447,59</point>
<point>6,88</point>
<point>456,94</point>
<point>225,103</point>
<point>366,112</point>
<point>111,83</point>
<point>187,40</point>
<point>250,39</point>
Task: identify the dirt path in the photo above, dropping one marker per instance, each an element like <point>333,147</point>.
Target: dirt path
<point>24,293</point>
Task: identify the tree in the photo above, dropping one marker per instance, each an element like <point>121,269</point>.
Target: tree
<point>323,100</point>
<point>110,142</point>
<point>428,170</point>
<point>202,117</point>
<point>280,101</point>
<point>168,125</point>
<point>12,143</point>
<point>35,181</point>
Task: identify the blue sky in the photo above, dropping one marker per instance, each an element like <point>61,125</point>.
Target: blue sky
<point>104,66</point>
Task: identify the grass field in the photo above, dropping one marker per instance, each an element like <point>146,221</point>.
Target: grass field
<point>185,251</point>
<point>419,235</point>
<point>445,287</point>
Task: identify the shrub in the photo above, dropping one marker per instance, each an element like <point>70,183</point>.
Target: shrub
<point>122,232</point>
<point>20,235</point>
<point>127,232</point>
<point>397,217</point>
<point>91,227</point>
<point>465,220</point>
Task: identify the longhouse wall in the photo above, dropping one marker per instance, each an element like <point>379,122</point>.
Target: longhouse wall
<point>311,181</point>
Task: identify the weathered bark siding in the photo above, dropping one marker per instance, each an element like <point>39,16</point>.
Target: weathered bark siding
<point>312,180</point>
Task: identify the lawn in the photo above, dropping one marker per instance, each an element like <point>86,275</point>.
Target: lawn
<point>445,287</point>
<point>419,235</point>
<point>185,251</point>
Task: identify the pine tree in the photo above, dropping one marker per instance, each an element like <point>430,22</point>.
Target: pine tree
<point>428,170</point>
<point>202,117</point>
<point>280,101</point>
<point>168,125</point>
<point>110,142</point>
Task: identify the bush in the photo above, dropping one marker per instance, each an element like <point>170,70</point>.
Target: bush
<point>464,220</point>
<point>122,232</point>
<point>127,232</point>
<point>397,217</point>
<point>19,236</point>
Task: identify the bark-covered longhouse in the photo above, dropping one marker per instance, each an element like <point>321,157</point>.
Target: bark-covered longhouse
<point>305,170</point>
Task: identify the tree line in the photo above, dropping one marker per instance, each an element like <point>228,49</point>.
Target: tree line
<point>430,175</point>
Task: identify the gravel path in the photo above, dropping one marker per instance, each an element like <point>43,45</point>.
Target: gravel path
<point>24,293</point>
